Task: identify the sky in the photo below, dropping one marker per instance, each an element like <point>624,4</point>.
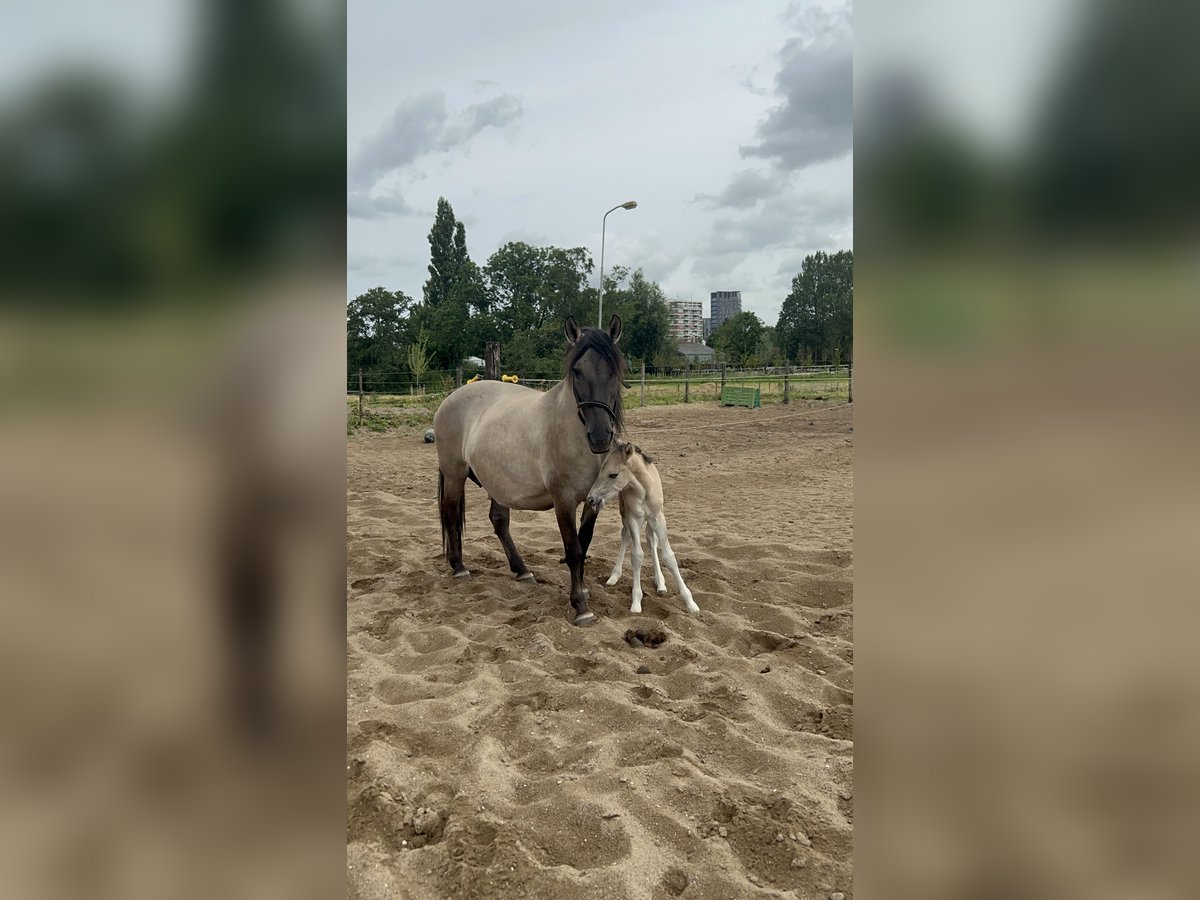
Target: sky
<point>729,124</point>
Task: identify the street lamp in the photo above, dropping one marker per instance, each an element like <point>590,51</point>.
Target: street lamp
<point>632,204</point>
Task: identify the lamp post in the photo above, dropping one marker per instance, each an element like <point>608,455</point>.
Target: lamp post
<point>632,204</point>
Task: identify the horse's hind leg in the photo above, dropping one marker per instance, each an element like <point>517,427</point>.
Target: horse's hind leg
<point>672,564</point>
<point>452,503</point>
<point>616,572</point>
<point>500,518</point>
<point>660,583</point>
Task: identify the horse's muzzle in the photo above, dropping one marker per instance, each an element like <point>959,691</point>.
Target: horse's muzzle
<point>595,502</point>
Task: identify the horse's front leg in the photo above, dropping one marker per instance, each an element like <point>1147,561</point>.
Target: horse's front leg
<point>574,557</point>
<point>587,524</point>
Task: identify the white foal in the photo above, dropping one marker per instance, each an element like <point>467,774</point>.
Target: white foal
<point>628,473</point>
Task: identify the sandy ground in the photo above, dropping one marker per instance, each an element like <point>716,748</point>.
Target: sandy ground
<point>494,750</point>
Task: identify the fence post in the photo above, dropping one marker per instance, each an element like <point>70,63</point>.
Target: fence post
<point>491,360</point>
<point>458,377</point>
<point>643,400</point>
<point>360,398</point>
<point>850,382</point>
<point>687,367</point>
<point>722,378</point>
<point>785,388</point>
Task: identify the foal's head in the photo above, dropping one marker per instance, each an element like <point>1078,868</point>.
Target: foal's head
<point>596,372</point>
<point>616,471</point>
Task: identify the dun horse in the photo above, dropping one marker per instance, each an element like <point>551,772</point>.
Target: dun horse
<point>531,450</point>
<point>629,473</point>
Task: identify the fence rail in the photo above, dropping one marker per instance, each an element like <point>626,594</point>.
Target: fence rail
<point>444,379</point>
<point>380,402</point>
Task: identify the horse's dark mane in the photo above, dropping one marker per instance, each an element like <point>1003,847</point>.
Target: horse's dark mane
<point>643,454</point>
<point>599,342</point>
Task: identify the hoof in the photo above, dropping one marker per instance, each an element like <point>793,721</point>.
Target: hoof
<point>528,576</point>
<point>586,618</point>
<point>636,609</point>
<point>464,575</point>
<point>693,608</point>
<point>661,590</point>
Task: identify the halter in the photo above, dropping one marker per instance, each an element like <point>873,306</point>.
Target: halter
<point>580,404</point>
<point>579,407</point>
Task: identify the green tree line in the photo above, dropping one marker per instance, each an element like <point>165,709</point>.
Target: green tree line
<point>522,294</point>
<point>815,326</point>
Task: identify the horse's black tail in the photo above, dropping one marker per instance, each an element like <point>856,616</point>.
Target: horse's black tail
<point>462,514</point>
<point>441,515</point>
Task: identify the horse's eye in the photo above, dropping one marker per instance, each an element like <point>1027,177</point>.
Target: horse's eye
<point>613,475</point>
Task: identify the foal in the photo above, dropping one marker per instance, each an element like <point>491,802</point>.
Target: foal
<point>629,473</point>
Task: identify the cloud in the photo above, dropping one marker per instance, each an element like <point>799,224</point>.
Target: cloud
<point>787,221</point>
<point>744,190</point>
<point>419,126</point>
<point>365,263</point>
<point>363,205</point>
<point>412,130</point>
<point>815,120</point>
<point>494,113</point>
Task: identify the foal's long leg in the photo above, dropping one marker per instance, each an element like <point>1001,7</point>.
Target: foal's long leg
<point>616,572</point>
<point>660,583</point>
<point>574,556</point>
<point>672,564</point>
<point>635,549</point>
<point>500,518</point>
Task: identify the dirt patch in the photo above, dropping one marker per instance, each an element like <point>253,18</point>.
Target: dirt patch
<point>494,750</point>
<point>645,637</point>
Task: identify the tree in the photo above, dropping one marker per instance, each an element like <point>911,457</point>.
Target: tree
<point>418,358</point>
<point>645,316</point>
<point>738,337</point>
<point>529,292</point>
<point>377,326</point>
<point>443,254</point>
<point>817,317</point>
<point>454,288</point>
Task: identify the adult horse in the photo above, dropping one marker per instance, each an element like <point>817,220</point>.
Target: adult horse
<point>531,450</point>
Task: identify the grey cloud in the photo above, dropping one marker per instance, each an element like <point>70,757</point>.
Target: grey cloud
<point>744,190</point>
<point>815,120</point>
<point>412,130</point>
<point>361,205</point>
<point>785,221</point>
<point>419,126</point>
<point>494,113</point>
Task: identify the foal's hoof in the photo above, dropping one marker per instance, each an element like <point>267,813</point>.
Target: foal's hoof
<point>465,575</point>
<point>586,618</point>
<point>528,577</point>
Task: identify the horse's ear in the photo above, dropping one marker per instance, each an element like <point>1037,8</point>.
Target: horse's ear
<point>628,448</point>
<point>614,327</point>
<point>571,329</point>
